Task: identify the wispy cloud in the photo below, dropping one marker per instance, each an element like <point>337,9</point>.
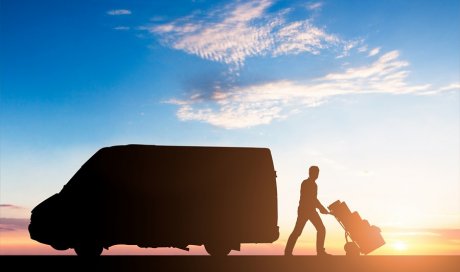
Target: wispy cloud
<point>9,206</point>
<point>238,31</point>
<point>115,12</point>
<point>315,5</point>
<point>347,46</point>
<point>374,52</point>
<point>122,28</point>
<point>252,105</point>
<point>302,36</point>
<point>228,36</point>
<point>450,87</point>
<point>362,49</point>
<point>11,210</point>
<point>435,233</point>
<point>12,224</point>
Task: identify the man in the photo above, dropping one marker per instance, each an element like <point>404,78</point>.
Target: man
<point>307,211</point>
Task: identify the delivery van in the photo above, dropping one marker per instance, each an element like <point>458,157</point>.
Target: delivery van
<point>163,196</point>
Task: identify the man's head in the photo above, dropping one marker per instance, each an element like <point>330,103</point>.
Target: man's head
<point>313,172</point>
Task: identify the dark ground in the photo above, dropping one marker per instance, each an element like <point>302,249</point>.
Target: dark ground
<point>232,263</point>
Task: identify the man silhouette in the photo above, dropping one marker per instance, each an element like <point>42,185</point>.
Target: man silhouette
<point>307,211</point>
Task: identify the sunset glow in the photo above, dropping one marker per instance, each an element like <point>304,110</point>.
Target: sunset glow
<point>398,242</point>
<point>400,246</point>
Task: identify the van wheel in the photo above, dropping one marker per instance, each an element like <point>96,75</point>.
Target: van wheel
<point>217,250</point>
<point>88,250</point>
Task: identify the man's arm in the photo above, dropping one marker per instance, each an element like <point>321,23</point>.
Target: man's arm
<point>321,207</point>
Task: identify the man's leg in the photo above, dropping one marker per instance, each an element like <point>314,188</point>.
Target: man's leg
<point>320,232</point>
<point>300,223</point>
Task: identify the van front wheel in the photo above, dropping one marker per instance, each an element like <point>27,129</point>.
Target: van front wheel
<point>88,250</point>
<point>218,250</point>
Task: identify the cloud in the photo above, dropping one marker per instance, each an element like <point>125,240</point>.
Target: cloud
<point>314,6</point>
<point>230,40</point>
<point>10,210</point>
<point>362,49</point>
<point>386,65</point>
<point>121,28</point>
<point>241,30</point>
<point>257,104</point>
<point>12,224</point>
<point>9,206</point>
<point>374,52</point>
<point>434,233</point>
<point>347,46</point>
<point>302,36</point>
<point>115,12</point>
<point>450,87</point>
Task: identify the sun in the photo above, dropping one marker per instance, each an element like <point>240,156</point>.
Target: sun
<point>400,246</point>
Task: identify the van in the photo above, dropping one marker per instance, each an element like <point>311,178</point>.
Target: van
<point>163,196</point>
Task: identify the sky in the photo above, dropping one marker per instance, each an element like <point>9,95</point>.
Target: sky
<point>366,90</point>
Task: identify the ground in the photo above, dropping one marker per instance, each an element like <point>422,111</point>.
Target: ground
<point>233,263</point>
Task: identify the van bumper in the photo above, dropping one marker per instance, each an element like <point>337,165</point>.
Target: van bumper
<point>263,236</point>
<point>48,237</point>
<point>276,233</point>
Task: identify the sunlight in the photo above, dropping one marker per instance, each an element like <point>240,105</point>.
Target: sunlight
<point>400,246</point>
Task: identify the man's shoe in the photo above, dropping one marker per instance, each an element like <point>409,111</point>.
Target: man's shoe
<point>323,254</point>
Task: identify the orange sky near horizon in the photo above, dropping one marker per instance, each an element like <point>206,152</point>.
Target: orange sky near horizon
<point>398,242</point>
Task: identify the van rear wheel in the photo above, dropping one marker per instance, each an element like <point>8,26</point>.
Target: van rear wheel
<point>88,249</point>
<point>217,249</point>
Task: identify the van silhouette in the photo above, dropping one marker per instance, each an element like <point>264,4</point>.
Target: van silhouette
<point>163,196</point>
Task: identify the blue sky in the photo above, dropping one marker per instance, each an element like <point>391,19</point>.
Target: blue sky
<point>68,63</point>
<point>366,89</point>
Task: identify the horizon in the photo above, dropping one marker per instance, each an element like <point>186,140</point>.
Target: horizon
<point>368,91</point>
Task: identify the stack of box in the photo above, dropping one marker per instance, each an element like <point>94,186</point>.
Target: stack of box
<point>366,237</point>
